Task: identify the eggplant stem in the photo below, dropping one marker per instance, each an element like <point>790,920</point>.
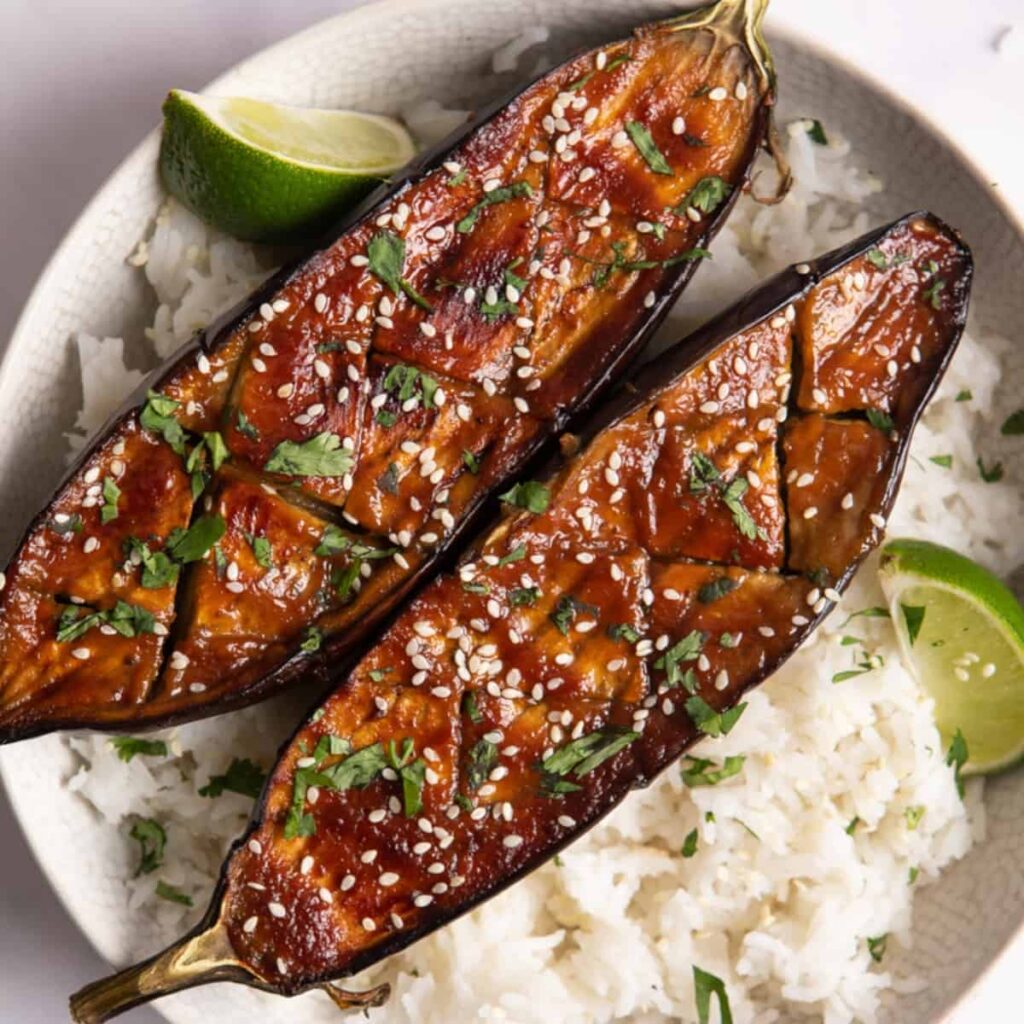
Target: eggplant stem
<point>743,19</point>
<point>773,146</point>
<point>344,1000</point>
<point>196,961</point>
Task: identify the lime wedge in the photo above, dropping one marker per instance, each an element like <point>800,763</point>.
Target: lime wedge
<point>962,632</point>
<point>269,173</point>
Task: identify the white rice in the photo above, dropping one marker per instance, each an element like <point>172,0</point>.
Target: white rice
<point>779,899</point>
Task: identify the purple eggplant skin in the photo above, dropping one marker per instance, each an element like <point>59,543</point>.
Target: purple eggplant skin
<point>788,288</point>
<point>580,393</point>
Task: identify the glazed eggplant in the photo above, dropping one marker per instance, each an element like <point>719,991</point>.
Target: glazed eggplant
<point>619,612</point>
<point>298,468</point>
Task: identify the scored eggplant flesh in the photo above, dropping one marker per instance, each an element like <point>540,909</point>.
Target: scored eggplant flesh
<point>708,524</point>
<point>295,471</point>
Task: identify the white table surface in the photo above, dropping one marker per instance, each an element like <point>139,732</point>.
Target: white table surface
<point>81,82</point>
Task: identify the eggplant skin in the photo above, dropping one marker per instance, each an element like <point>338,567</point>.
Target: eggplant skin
<point>338,435</point>
<point>584,644</point>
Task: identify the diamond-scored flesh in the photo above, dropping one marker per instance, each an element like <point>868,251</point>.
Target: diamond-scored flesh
<point>969,649</point>
<point>268,172</point>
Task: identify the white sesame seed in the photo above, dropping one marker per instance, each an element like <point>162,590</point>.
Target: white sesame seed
<point>718,94</point>
<point>277,910</point>
<point>819,396</point>
<point>878,520</point>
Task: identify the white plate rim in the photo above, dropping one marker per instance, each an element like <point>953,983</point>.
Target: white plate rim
<point>146,151</point>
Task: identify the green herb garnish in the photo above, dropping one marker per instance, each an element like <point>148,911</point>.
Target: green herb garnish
<point>582,756</point>
<point>647,147</point>
<point>152,840</point>
<point>173,894</point>
<point>1013,425</point>
<point>128,747</point>
<point>702,772</point>
<point>816,132</point>
<point>158,416</point>
<point>705,986</point>
<point>876,947</point>
<point>386,253</point>
<point>320,456</point>
<point>716,589</point>
<point>498,195</point>
<point>530,495</point>
<point>706,195</point>
<point>191,545</point>
<point>879,419</point>
<point>690,844</point>
<point>243,776</point>
<point>711,722</point>
<point>956,757</point>
<point>111,494</point>
<point>990,474</point>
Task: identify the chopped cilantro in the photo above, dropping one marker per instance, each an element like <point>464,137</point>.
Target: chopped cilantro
<point>111,494</point>
<point>990,474</point>
<point>716,589</point>
<point>711,722</point>
<point>523,596</point>
<point>312,640</point>
<point>705,986</point>
<point>517,554</point>
<point>1013,425</point>
<point>191,545</point>
<point>623,631</point>
<point>877,259</point>
<point>483,757</point>
<point>530,495</point>
<point>173,894</point>
<point>876,947</point>
<point>498,195</point>
<point>320,456</point>
<point>566,610</point>
<point>706,195</point>
<point>702,772</point>
<point>690,844</point>
<point>914,816</point>
<point>956,757</point>
<point>158,416</point>
<point>816,132</point>
<point>245,427</point>
<point>128,747</point>
<point>583,755</point>
<point>470,708</point>
<point>879,419</point>
<point>471,462</point>
<point>647,147</point>
<point>243,776</point>
<point>687,649</point>
<point>152,840</point>
<point>945,461</point>
<point>386,253</point>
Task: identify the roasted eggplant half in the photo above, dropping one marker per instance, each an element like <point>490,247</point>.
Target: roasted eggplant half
<point>616,615</point>
<point>283,484</point>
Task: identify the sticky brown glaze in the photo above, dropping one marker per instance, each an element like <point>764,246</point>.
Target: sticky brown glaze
<point>582,647</point>
<point>449,329</point>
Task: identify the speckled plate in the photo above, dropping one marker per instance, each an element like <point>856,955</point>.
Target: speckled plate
<point>378,58</point>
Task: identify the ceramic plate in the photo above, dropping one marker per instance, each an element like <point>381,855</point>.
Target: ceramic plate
<point>378,58</point>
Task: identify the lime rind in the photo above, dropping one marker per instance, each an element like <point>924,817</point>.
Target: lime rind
<point>967,611</point>
<point>258,194</point>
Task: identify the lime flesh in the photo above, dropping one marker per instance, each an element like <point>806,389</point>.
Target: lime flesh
<point>270,173</point>
<point>962,632</point>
